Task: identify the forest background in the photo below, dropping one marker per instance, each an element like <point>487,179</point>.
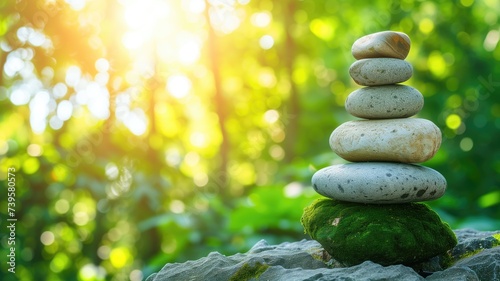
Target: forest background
<point>148,132</point>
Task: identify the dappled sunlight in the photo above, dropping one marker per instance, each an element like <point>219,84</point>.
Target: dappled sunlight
<point>148,131</point>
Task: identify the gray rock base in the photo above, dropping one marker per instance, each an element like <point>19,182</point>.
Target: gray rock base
<point>476,257</point>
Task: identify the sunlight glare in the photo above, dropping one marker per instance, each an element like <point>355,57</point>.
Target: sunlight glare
<point>271,116</point>
<point>261,19</point>
<point>266,42</point>
<point>178,85</point>
<point>102,65</point>
<point>13,64</point>
<point>55,123</point>
<point>76,5</point>
<point>73,75</point>
<point>64,110</point>
<point>132,40</point>
<point>195,6</point>
<point>19,97</point>
<point>144,15</point>
<point>189,49</point>
<point>225,18</point>
<point>136,122</point>
<point>198,139</point>
<point>59,90</point>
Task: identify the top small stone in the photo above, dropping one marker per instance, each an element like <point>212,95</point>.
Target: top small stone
<point>385,44</point>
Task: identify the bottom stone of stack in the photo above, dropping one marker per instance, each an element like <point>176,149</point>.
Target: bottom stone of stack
<point>386,234</point>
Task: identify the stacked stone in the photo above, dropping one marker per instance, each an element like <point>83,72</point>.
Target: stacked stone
<point>384,147</point>
<point>388,137</point>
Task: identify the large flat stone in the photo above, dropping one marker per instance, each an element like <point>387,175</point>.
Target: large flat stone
<point>379,183</point>
<point>306,260</point>
<point>406,140</point>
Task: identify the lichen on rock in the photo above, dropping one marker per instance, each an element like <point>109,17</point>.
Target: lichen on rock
<point>386,234</point>
<point>247,272</point>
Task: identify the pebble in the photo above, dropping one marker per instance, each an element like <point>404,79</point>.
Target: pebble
<point>380,71</point>
<point>406,140</point>
<point>379,183</point>
<point>389,101</point>
<point>385,44</point>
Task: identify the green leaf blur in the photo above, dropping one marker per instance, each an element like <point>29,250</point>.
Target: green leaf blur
<point>156,131</point>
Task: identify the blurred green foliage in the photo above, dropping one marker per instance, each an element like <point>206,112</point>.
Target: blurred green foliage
<point>147,132</point>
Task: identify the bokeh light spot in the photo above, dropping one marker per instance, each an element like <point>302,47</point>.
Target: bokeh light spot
<point>34,150</point>
<point>91,272</point>
<point>111,171</point>
<point>64,110</point>
<point>261,19</point>
<point>119,257</point>
<point>198,139</point>
<point>466,3</point>
<point>271,116</point>
<point>426,25</point>
<point>31,165</point>
<point>489,199</point>
<point>60,262</point>
<point>453,121</point>
<point>103,252</point>
<point>323,28</point>
<point>466,144</point>
<point>19,97</point>
<point>178,85</point>
<point>266,42</point>
<point>136,275</point>
<point>102,65</point>
<point>47,238</point>
<point>437,64</point>
<point>62,206</point>
<point>293,190</point>
<point>177,206</point>
<point>491,40</point>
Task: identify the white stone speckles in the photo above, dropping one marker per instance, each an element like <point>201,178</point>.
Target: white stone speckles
<point>379,183</point>
<point>385,44</point>
<point>406,140</point>
<point>380,102</point>
<point>380,71</point>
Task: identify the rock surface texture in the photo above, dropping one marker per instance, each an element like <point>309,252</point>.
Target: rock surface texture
<point>369,214</point>
<point>381,183</point>
<point>406,140</point>
<point>382,102</point>
<point>380,71</point>
<point>476,257</point>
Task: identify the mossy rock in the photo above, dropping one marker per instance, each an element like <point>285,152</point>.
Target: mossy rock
<point>386,234</point>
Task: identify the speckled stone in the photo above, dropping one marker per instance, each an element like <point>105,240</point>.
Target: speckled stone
<point>379,183</point>
<point>380,71</point>
<point>385,44</point>
<point>406,140</point>
<point>380,102</point>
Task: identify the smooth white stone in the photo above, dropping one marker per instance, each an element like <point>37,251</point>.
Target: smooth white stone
<point>380,102</point>
<point>379,183</point>
<point>406,140</point>
<point>380,71</point>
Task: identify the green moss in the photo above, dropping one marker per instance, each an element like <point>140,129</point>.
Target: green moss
<point>246,272</point>
<point>497,237</point>
<point>387,234</point>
